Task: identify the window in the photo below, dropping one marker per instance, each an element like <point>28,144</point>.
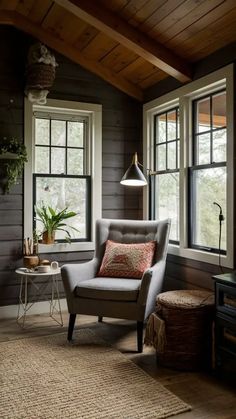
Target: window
<point>62,170</point>
<point>188,143</point>
<point>208,173</point>
<point>166,164</point>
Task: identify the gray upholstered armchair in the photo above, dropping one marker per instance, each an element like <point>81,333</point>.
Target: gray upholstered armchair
<point>125,298</point>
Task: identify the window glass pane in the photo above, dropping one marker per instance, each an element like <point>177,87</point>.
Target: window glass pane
<point>203,115</point>
<point>161,157</point>
<point>171,125</point>
<point>203,149</point>
<point>75,134</point>
<point>58,160</point>
<point>209,185</point>
<point>219,110</point>
<point>42,131</point>
<point>161,128</point>
<point>171,155</point>
<point>60,193</point>
<point>58,132</point>
<point>41,159</point>
<point>219,145</point>
<point>167,201</point>
<point>75,161</point>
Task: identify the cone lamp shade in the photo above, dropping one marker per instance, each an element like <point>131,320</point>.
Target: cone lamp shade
<point>133,175</point>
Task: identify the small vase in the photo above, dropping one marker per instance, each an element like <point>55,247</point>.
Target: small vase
<point>48,238</point>
<point>31,261</point>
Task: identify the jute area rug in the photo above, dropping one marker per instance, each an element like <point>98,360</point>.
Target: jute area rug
<point>46,377</point>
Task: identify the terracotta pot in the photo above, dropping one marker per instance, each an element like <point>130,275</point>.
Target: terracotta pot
<point>31,261</point>
<point>48,238</point>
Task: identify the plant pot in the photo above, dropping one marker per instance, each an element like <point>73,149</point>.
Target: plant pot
<point>39,76</point>
<point>48,238</point>
<point>31,261</point>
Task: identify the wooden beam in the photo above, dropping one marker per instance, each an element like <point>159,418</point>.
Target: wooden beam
<point>116,28</point>
<point>20,22</point>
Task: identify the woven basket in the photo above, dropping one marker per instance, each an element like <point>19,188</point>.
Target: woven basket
<point>188,317</point>
<point>40,76</point>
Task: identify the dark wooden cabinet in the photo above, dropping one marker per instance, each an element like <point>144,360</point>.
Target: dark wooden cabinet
<point>225,322</point>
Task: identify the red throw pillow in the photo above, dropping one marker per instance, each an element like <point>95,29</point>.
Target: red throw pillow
<point>123,260</point>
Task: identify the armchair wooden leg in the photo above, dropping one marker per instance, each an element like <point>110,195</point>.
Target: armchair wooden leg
<point>100,319</point>
<point>71,326</point>
<point>140,336</point>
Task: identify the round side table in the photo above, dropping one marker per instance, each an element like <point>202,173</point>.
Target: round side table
<point>28,279</point>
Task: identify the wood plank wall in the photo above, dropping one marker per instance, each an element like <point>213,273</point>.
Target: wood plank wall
<point>121,131</point>
<point>184,273</point>
<point>121,137</point>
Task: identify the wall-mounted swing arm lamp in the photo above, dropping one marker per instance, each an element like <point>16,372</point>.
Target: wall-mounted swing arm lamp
<point>134,175</point>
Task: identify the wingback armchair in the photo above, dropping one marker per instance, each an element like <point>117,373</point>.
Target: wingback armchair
<point>125,298</point>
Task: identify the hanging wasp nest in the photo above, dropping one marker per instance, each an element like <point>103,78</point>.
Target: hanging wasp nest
<point>40,73</point>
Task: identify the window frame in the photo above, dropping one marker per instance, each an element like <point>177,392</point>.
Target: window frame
<point>94,166</point>
<point>196,166</point>
<point>184,96</point>
<point>88,201</point>
<point>155,148</point>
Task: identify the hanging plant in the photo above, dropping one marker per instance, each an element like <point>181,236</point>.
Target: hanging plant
<point>13,155</point>
<point>40,73</point>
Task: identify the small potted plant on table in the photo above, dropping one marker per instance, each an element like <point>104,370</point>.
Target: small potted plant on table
<point>53,221</point>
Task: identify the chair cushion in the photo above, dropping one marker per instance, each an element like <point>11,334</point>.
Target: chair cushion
<point>118,289</point>
<point>122,260</point>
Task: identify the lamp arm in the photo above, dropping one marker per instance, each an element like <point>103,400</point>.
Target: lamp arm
<point>150,171</point>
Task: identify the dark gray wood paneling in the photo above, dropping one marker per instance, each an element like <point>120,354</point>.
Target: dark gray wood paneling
<point>182,272</point>
<point>121,131</point>
<point>11,232</point>
<point>11,217</point>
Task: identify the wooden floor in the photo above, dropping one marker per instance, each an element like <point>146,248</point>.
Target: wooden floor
<point>209,397</point>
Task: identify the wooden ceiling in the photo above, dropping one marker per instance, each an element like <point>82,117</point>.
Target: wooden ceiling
<point>132,44</point>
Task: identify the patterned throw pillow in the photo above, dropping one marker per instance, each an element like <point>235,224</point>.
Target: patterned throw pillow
<point>123,260</point>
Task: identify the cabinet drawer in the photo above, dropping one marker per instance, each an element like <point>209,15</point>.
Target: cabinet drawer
<point>226,333</point>
<point>226,299</point>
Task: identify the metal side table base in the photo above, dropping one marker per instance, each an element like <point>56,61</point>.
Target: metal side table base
<point>25,302</point>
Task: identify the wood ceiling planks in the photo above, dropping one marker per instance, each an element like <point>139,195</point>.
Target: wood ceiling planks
<point>119,30</point>
<point>186,30</point>
<point>99,47</point>
<point>204,23</point>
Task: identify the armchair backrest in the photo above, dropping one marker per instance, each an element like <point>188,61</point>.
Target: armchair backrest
<point>132,231</point>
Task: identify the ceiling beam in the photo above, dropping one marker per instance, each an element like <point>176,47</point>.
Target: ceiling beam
<point>118,29</point>
<point>20,22</point>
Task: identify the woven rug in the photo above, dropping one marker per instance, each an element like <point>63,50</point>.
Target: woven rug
<point>46,377</point>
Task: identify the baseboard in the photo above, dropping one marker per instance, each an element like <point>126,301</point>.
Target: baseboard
<point>39,307</point>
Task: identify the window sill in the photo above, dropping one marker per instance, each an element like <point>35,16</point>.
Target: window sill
<point>66,247</point>
<point>200,255</point>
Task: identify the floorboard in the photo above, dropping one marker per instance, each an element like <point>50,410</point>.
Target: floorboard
<point>209,397</point>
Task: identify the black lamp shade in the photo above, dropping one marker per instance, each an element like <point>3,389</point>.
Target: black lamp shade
<point>133,175</point>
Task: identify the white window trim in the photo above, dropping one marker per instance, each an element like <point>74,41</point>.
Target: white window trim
<point>223,78</point>
<point>94,113</point>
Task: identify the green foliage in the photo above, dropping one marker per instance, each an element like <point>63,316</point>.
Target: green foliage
<point>53,220</point>
<point>12,167</point>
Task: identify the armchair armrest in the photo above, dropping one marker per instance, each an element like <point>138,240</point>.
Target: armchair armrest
<point>151,286</point>
<point>74,273</point>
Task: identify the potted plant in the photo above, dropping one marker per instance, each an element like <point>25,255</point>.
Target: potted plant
<point>14,156</point>
<point>53,221</point>
<point>40,73</point>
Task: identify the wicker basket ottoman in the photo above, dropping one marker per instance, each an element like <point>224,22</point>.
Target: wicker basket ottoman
<point>188,318</point>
